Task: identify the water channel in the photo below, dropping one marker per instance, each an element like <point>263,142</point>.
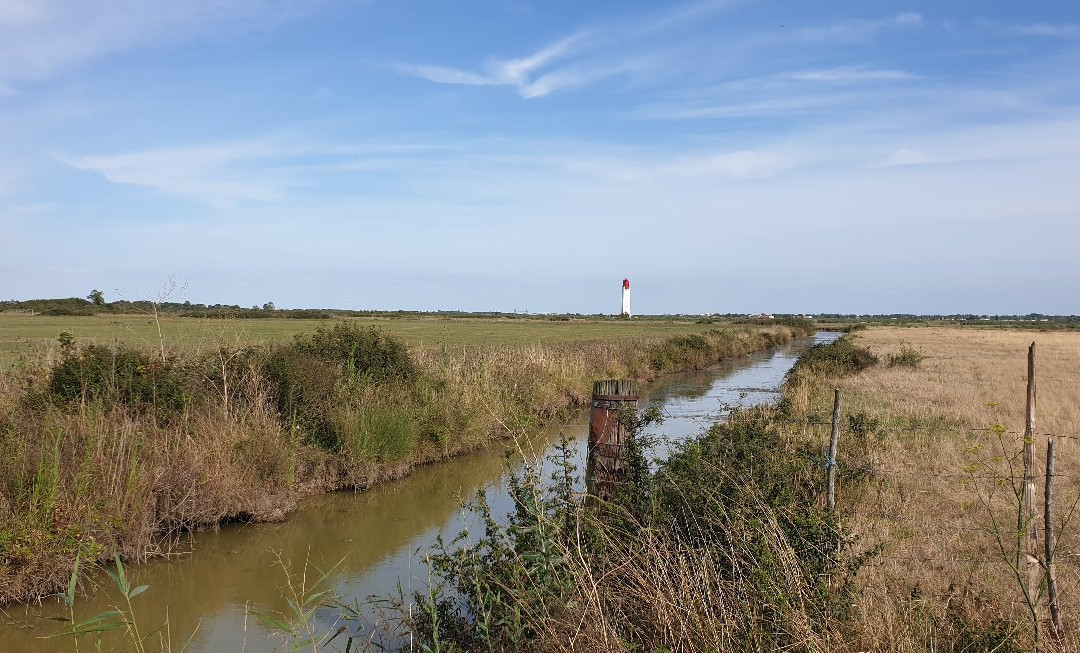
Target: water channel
<point>375,535</point>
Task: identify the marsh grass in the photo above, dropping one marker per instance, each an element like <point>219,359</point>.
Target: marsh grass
<point>725,547</point>
<point>114,449</point>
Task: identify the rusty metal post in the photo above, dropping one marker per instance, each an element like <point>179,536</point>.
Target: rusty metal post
<point>607,436</point>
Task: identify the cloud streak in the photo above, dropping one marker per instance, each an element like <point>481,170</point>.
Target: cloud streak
<point>518,73</point>
<point>858,31</point>
<point>583,57</point>
<point>592,55</point>
<point>1063,30</point>
<point>41,38</point>
<point>215,175</point>
<point>850,74</point>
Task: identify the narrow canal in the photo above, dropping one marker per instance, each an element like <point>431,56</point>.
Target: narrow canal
<point>376,535</point>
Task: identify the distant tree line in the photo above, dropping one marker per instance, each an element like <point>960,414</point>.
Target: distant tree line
<point>95,303</point>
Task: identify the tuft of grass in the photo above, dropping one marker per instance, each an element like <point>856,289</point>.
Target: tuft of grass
<point>908,356</point>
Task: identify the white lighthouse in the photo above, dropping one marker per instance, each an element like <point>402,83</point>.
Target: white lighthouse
<point>626,297</point>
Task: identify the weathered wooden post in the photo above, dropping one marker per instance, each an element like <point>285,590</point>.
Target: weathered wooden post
<point>607,436</point>
<point>1049,542</point>
<point>1032,570</point>
<point>830,462</point>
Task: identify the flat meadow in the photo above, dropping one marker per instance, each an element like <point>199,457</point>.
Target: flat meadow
<point>33,335</point>
<point>929,459</point>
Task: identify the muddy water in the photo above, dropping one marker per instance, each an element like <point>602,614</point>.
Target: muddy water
<point>375,534</point>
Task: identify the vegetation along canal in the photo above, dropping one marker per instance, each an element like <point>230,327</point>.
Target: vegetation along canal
<point>212,588</point>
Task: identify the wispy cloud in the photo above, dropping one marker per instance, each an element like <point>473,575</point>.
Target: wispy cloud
<point>39,38</point>
<point>265,169</point>
<point>216,174</point>
<point>851,74</point>
<point>1060,30</point>
<point>857,30</point>
<point>581,58</point>
<point>628,47</point>
<point>518,73</point>
<point>532,76</point>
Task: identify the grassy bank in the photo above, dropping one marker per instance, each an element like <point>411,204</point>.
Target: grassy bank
<point>930,459</point>
<point>108,448</point>
<point>729,545</point>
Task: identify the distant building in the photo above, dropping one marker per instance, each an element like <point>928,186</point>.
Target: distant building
<point>626,297</point>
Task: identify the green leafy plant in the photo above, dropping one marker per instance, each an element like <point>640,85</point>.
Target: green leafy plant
<point>119,617</point>
<point>297,625</point>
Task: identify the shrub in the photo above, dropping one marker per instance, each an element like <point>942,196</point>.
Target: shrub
<point>908,356</point>
<point>362,351</point>
<point>120,375</point>
<point>304,390</point>
<point>800,323</point>
<point>836,358</point>
<point>317,374</point>
<point>679,352</point>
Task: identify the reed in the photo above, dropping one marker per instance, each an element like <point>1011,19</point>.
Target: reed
<point>109,450</point>
<point>723,548</point>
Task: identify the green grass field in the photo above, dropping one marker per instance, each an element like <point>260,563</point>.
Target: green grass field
<point>25,335</point>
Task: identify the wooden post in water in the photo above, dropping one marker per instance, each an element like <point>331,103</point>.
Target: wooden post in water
<point>1032,573</point>
<point>830,462</point>
<point>607,436</point>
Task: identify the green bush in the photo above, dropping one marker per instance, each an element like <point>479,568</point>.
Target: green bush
<point>305,390</point>
<point>800,323</point>
<point>361,351</point>
<point>836,358</point>
<point>120,375</point>
<point>679,352</point>
<point>315,375</point>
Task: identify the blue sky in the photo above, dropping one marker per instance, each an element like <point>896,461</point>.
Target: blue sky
<point>725,156</point>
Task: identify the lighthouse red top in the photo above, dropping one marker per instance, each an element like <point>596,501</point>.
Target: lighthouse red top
<point>626,284</point>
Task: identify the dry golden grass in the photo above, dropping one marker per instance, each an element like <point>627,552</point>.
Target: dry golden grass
<point>941,571</point>
<point>967,370</point>
<point>89,478</point>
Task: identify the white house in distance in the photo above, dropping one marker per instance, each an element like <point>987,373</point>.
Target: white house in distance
<point>626,297</point>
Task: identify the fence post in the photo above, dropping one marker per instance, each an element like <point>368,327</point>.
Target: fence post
<point>1048,537</point>
<point>1033,574</point>
<point>607,436</point>
<point>830,462</point>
